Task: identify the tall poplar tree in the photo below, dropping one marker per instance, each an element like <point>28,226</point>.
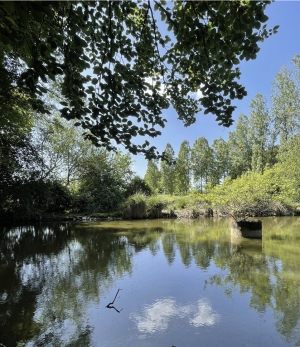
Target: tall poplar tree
<point>286,102</point>
<point>260,134</point>
<point>220,160</point>
<point>153,176</point>
<point>183,169</point>
<point>202,161</point>
<point>240,148</point>
<point>167,169</point>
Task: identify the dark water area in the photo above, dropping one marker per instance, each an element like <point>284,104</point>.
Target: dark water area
<point>149,283</point>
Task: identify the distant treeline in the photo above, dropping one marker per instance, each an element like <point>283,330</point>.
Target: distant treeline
<point>266,137</point>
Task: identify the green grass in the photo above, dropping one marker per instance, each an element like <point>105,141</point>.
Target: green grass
<point>152,206</point>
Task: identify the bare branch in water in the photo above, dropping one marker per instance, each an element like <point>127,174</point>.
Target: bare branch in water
<point>111,304</point>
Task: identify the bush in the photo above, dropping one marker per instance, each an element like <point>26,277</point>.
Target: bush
<point>134,207</point>
<point>102,199</point>
<point>182,202</point>
<point>31,198</point>
<point>252,194</point>
<point>155,205</point>
<point>137,186</point>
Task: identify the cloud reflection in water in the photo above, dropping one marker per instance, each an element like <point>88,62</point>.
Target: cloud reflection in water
<point>156,317</point>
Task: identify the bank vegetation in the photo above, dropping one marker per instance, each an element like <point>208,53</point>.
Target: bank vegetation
<point>49,169</point>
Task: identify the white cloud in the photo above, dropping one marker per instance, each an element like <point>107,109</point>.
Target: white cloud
<point>205,315</point>
<point>156,317</point>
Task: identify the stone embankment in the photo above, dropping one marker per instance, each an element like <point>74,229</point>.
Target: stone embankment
<point>188,213</point>
<point>251,229</point>
<point>80,218</point>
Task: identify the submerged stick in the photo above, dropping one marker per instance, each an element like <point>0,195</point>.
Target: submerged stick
<point>111,304</point>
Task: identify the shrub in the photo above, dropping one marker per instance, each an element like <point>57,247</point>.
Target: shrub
<point>252,194</point>
<point>182,202</point>
<point>137,186</point>
<point>31,198</point>
<point>102,199</point>
<point>134,207</point>
<point>155,205</point>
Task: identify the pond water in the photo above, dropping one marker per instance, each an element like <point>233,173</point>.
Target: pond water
<point>149,283</point>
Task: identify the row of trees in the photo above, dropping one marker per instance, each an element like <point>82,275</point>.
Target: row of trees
<point>257,143</point>
<point>197,165</point>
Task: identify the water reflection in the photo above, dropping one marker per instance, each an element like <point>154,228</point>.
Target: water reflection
<point>55,278</point>
<point>48,276</point>
<point>156,317</point>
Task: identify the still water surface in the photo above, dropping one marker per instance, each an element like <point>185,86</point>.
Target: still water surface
<point>181,284</point>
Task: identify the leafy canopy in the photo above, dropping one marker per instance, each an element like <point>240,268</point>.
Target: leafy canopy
<point>137,70</point>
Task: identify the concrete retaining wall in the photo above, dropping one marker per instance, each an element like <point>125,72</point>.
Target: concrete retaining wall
<point>249,229</point>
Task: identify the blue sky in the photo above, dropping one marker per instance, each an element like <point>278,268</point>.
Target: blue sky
<point>257,76</point>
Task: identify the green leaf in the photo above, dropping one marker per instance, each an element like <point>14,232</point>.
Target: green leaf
<point>264,18</point>
<point>98,70</point>
<point>4,39</point>
<point>11,20</point>
<point>9,6</point>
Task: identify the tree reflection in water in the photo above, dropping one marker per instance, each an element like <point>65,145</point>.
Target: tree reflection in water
<point>50,274</point>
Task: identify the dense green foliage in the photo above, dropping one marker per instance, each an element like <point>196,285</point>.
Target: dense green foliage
<point>153,176</point>
<point>256,172</point>
<point>102,180</point>
<point>50,168</point>
<point>46,52</point>
<point>202,161</point>
<point>220,164</point>
<point>136,70</point>
<point>137,185</point>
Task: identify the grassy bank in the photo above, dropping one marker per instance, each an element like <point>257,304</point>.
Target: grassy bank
<point>141,206</point>
<point>252,194</point>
